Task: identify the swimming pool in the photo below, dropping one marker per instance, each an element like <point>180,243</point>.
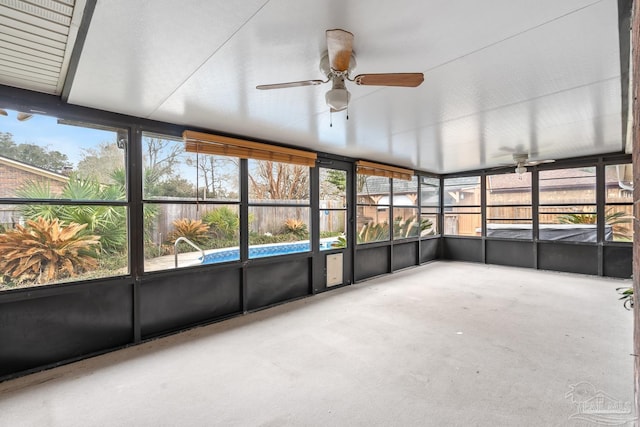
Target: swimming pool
<point>261,251</point>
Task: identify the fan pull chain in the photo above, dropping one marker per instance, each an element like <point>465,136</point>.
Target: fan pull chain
<point>330,118</point>
<point>347,111</point>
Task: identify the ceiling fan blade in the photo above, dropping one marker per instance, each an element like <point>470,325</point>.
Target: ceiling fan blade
<point>538,162</point>
<point>340,47</point>
<point>390,79</point>
<point>290,84</point>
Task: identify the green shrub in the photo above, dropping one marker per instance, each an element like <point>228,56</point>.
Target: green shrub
<point>108,222</point>
<point>223,223</point>
<point>326,234</point>
<point>153,250</point>
<point>263,239</point>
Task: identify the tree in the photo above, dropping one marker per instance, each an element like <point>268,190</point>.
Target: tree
<point>100,163</point>
<point>279,181</point>
<point>337,178</point>
<point>176,187</point>
<point>36,155</point>
<point>161,156</point>
<point>214,171</point>
<point>33,154</point>
<point>8,147</point>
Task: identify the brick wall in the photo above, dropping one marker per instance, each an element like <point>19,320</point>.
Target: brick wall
<point>12,178</point>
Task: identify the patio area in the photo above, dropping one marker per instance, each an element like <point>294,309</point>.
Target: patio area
<point>448,343</point>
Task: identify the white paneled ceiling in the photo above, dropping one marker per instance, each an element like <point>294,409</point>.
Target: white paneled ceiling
<point>36,41</point>
<point>501,76</point>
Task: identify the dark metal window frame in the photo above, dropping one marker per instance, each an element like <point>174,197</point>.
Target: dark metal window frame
<point>88,122</point>
<point>23,100</point>
<point>244,255</point>
<point>393,206</point>
<point>596,204</point>
<point>479,207</point>
<point>437,207</point>
<point>487,218</point>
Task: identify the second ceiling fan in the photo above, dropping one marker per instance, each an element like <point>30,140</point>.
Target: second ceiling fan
<point>337,64</point>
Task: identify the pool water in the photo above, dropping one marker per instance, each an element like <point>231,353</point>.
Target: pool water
<point>261,251</point>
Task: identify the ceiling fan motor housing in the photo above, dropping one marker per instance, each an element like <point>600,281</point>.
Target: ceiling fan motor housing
<point>325,68</point>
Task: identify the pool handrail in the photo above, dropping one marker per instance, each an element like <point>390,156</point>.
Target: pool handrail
<point>184,239</point>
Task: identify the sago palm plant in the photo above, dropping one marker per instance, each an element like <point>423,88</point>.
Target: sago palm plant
<point>45,251</point>
<point>297,227</point>
<point>192,229</point>
<point>373,232</point>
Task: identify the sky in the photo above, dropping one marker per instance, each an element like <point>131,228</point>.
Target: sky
<point>73,141</point>
<point>46,132</point>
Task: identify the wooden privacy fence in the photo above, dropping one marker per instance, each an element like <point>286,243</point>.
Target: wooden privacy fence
<point>263,219</point>
<point>470,224</point>
<point>271,219</point>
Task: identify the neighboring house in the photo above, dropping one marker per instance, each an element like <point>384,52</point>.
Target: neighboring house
<point>14,175</point>
<point>375,193</point>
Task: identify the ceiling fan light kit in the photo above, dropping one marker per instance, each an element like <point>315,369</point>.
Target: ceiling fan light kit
<point>522,161</point>
<point>337,99</point>
<point>337,64</point>
<point>520,169</point>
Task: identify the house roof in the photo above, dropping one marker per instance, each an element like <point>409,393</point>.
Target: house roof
<point>33,169</point>
<point>380,185</point>
<point>549,179</point>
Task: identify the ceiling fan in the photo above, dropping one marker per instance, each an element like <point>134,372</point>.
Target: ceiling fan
<point>21,116</point>
<point>337,64</point>
<point>522,161</point>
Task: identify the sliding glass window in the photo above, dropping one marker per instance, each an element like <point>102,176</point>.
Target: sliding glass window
<point>508,198</point>
<point>191,205</point>
<point>63,201</point>
<point>462,214</point>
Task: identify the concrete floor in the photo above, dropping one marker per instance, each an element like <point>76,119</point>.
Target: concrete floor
<point>447,343</point>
